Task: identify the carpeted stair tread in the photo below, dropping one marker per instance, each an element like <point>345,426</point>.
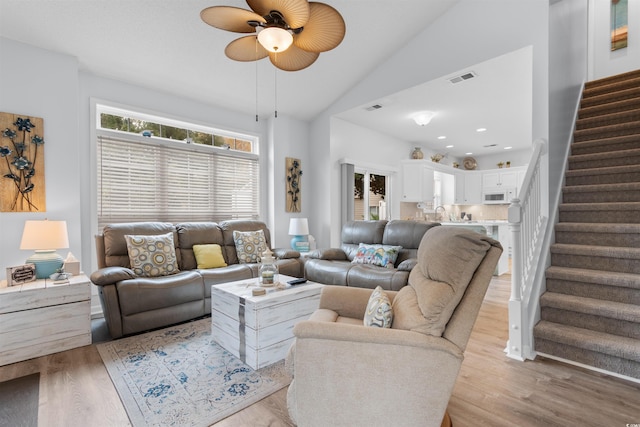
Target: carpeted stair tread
<point>632,81</point>
<point>604,81</point>
<point>618,117</point>
<point>615,206</point>
<point>614,345</point>
<point>602,193</point>
<point>597,110</point>
<point>606,278</point>
<point>625,142</point>
<point>606,159</point>
<point>607,131</point>
<point>598,234</point>
<point>597,307</point>
<point>610,97</point>
<point>596,251</point>
<point>609,170</point>
<point>603,175</point>
<point>589,188</point>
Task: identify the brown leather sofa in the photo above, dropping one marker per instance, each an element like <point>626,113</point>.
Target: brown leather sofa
<point>334,266</point>
<point>134,304</point>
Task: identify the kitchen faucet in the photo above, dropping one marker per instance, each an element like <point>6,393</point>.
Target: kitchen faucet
<point>443,216</point>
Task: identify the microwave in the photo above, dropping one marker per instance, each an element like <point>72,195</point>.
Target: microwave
<point>501,196</point>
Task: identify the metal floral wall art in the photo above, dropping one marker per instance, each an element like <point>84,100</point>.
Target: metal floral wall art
<point>294,188</point>
<point>21,164</point>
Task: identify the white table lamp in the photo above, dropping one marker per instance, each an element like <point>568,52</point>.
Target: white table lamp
<point>299,229</point>
<point>45,237</point>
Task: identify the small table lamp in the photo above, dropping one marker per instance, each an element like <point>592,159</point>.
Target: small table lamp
<point>45,237</point>
<point>299,229</point>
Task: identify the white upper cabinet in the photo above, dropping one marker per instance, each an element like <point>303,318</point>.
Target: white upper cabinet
<point>500,179</point>
<point>433,183</point>
<point>412,182</point>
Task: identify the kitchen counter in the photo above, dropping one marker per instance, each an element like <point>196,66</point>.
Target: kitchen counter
<point>497,229</point>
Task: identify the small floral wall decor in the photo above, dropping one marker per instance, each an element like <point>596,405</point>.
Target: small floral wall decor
<point>294,188</point>
<point>21,164</point>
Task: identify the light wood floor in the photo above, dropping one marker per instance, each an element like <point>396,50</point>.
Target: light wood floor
<point>492,390</point>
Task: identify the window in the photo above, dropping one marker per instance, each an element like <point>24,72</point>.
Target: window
<point>369,196</point>
<point>188,173</point>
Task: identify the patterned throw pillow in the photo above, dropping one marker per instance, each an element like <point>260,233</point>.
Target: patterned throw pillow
<point>209,256</point>
<point>250,245</point>
<point>382,255</point>
<point>379,312</point>
<point>152,256</point>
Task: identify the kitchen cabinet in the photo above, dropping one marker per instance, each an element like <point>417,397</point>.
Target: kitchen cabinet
<point>500,179</point>
<point>424,181</point>
<point>468,188</point>
<point>412,182</point>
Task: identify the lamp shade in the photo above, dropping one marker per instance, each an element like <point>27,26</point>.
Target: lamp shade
<point>45,237</point>
<point>45,234</point>
<point>298,227</point>
<point>275,39</point>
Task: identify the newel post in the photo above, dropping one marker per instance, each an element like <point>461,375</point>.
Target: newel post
<point>514,346</point>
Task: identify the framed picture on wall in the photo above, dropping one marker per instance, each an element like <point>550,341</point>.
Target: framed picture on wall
<point>619,20</point>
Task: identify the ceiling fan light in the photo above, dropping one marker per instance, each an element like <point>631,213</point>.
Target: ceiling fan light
<point>423,118</point>
<point>275,39</point>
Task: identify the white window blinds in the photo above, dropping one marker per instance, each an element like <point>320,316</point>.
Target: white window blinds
<point>142,179</point>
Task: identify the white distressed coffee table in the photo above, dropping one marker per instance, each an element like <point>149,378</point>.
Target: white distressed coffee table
<point>259,329</point>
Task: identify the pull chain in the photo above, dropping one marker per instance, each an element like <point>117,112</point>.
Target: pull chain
<point>275,85</point>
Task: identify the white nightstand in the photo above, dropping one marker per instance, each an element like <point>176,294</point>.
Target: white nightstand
<point>39,318</point>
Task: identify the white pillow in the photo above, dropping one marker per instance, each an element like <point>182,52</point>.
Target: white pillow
<point>379,312</point>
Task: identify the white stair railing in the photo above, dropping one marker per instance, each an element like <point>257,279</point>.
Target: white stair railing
<point>528,215</point>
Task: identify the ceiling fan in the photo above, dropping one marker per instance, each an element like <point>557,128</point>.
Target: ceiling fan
<point>291,32</point>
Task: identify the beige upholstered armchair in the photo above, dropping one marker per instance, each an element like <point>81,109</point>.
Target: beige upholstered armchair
<point>348,374</point>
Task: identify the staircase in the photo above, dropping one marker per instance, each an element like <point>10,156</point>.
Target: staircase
<point>590,312</point>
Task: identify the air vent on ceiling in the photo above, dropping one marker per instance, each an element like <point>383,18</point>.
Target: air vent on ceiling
<point>490,145</point>
<point>463,77</point>
<point>374,107</point>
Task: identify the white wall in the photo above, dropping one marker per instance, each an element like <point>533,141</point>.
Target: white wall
<point>604,62</point>
<point>371,150</point>
<point>290,139</point>
<point>516,157</point>
<point>568,29</point>
<point>469,33</point>
<point>39,83</point>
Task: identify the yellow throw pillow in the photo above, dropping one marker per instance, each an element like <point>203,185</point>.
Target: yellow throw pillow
<point>209,256</point>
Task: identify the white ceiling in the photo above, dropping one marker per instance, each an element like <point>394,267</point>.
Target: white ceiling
<point>498,98</point>
<point>164,45</point>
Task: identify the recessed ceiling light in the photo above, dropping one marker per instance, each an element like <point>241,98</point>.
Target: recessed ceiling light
<point>481,129</point>
<point>508,148</point>
<point>468,154</point>
<point>449,146</point>
<point>442,137</point>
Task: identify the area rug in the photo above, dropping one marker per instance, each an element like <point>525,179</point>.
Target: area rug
<point>179,376</point>
<point>19,400</point>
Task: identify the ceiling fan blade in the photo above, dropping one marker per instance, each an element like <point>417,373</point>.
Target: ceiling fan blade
<point>245,49</point>
<point>293,59</point>
<point>230,18</point>
<point>295,12</point>
<point>324,31</point>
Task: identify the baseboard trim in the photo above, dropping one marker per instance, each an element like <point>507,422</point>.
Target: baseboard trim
<point>589,368</point>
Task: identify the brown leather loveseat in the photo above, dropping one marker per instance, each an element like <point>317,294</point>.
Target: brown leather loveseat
<point>132,303</point>
<point>336,266</point>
